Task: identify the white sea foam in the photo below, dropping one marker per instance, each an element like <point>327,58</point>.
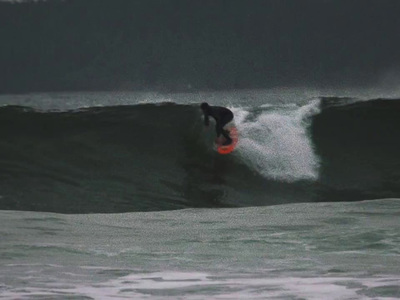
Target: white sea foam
<point>199,285</point>
<point>276,142</point>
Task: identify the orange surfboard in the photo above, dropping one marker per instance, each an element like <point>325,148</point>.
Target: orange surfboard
<point>233,133</point>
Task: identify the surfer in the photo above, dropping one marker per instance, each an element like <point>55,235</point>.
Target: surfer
<point>222,117</point>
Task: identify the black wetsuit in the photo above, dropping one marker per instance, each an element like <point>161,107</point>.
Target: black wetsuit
<point>222,117</point>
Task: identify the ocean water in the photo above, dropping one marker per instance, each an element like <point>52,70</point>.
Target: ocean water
<point>121,196</point>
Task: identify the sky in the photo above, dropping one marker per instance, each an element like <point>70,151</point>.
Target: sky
<point>209,44</point>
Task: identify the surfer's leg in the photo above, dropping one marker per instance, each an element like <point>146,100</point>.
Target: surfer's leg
<point>225,133</point>
<point>226,119</point>
<point>228,141</point>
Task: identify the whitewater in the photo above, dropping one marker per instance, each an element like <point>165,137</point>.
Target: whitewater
<point>120,195</point>
<point>310,251</point>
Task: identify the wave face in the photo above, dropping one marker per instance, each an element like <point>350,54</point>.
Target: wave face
<point>159,156</point>
<point>359,146</point>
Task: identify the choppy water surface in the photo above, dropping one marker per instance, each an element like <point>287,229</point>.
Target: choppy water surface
<point>312,251</point>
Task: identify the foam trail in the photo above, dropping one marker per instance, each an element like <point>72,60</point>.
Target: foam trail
<point>275,142</point>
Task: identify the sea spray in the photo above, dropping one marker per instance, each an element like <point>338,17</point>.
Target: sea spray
<point>275,141</point>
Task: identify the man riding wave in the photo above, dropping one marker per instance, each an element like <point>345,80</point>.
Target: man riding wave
<point>222,117</point>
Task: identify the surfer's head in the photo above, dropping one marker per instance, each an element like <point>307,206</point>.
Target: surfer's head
<point>204,106</point>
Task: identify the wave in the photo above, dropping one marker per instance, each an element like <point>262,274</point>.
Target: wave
<point>358,143</point>
<point>160,156</point>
